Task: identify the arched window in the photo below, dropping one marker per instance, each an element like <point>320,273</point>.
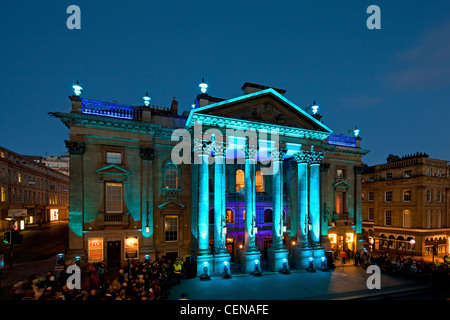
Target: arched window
<point>240,180</point>
<point>267,215</point>
<point>171,176</point>
<point>229,216</point>
<point>259,182</point>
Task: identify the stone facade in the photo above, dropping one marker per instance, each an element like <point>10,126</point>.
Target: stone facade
<point>226,211</point>
<point>407,199</point>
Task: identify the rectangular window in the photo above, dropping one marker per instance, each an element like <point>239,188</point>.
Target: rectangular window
<point>429,172</point>
<point>114,157</point>
<point>371,196</point>
<point>388,218</point>
<point>429,195</point>
<point>406,218</point>
<point>340,174</point>
<point>171,229</point>
<point>370,214</point>
<point>406,195</point>
<point>114,197</point>
<point>3,194</point>
<point>388,196</point>
<point>439,219</point>
<point>407,174</point>
<point>388,175</point>
<point>439,196</point>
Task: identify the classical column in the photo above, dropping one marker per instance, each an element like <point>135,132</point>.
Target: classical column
<point>250,199</point>
<point>219,198</point>
<point>302,159</point>
<point>250,256</point>
<point>314,196</point>
<point>277,198</point>
<point>76,199</point>
<point>277,253</point>
<point>147,155</point>
<point>204,257</point>
<point>203,201</point>
<point>221,255</point>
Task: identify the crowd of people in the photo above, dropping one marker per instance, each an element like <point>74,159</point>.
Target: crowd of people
<point>148,280</point>
<point>439,269</point>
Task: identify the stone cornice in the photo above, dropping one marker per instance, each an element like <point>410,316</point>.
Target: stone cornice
<point>229,123</point>
<point>76,119</point>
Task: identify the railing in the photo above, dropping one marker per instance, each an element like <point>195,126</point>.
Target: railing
<point>113,217</point>
<point>111,110</point>
<point>170,193</point>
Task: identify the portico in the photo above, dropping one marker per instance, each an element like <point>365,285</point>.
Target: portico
<point>238,141</point>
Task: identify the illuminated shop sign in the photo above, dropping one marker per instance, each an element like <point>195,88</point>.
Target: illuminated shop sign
<point>131,248</point>
<point>95,248</point>
<point>341,140</point>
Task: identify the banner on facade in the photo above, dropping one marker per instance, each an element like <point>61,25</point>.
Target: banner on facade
<point>17,213</point>
<point>131,248</point>
<point>95,249</point>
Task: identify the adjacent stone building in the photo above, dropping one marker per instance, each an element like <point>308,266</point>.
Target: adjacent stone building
<point>249,180</point>
<point>31,192</point>
<point>406,205</point>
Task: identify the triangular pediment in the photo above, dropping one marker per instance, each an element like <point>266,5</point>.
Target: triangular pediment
<point>341,184</point>
<point>113,169</point>
<point>266,107</point>
<point>171,205</point>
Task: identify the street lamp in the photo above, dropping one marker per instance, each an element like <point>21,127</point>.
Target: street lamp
<point>412,242</point>
<point>77,88</point>
<point>146,99</point>
<point>203,86</point>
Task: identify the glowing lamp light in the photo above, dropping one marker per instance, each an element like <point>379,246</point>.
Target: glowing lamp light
<point>203,86</point>
<point>147,228</point>
<point>412,242</point>
<point>146,99</point>
<point>311,258</point>
<point>293,243</point>
<point>77,88</point>
<point>284,260</point>
<point>256,262</point>
<point>315,108</point>
<point>356,132</point>
<point>323,258</point>
<point>205,264</point>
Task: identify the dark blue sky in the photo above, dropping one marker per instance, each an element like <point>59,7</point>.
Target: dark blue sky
<point>393,83</point>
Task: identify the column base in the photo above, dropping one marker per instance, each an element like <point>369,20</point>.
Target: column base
<point>222,265</point>
<point>278,260</point>
<point>251,262</point>
<point>205,261</point>
<point>308,258</point>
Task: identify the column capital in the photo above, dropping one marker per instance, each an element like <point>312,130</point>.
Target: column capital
<point>278,153</point>
<point>200,146</point>
<point>359,169</point>
<point>324,166</point>
<point>302,156</point>
<point>250,152</point>
<point>147,153</point>
<point>219,148</point>
<point>316,157</point>
<point>75,147</point>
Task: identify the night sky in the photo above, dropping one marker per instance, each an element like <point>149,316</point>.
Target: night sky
<point>392,83</point>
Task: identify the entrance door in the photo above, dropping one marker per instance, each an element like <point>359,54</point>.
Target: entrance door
<point>230,248</point>
<point>113,254</point>
<point>267,245</point>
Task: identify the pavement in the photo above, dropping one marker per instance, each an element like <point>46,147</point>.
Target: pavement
<point>343,283</point>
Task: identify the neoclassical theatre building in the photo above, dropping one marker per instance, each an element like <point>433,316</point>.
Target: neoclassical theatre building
<point>254,181</point>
